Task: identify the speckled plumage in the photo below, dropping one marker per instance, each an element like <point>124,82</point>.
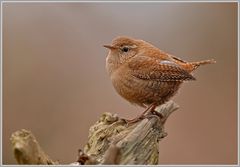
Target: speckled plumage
<point>145,75</point>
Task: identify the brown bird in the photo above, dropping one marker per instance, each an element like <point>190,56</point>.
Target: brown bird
<point>145,75</point>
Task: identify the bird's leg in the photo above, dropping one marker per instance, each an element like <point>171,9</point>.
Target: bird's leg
<point>149,109</point>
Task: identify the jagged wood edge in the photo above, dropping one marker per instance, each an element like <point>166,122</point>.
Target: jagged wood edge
<point>115,141</point>
<point>27,150</point>
<point>112,141</point>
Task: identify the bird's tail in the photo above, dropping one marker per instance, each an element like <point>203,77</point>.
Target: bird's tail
<point>194,65</point>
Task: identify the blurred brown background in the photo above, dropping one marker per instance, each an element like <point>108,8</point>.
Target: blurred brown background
<point>55,83</point>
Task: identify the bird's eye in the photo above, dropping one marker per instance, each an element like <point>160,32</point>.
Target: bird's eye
<point>125,49</point>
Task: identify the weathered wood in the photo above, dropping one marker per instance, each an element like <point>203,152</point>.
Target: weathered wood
<point>111,141</point>
<point>27,150</point>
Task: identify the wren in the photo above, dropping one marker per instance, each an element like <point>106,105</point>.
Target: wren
<point>144,75</point>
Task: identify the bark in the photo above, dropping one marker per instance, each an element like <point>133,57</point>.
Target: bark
<point>27,150</point>
<point>111,141</point>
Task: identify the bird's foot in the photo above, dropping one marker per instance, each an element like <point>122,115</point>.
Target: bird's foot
<point>131,121</point>
<point>150,109</point>
<point>157,113</point>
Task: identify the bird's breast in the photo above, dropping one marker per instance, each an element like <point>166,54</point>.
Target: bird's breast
<point>126,85</point>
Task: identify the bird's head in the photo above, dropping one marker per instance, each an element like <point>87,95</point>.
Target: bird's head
<point>122,49</point>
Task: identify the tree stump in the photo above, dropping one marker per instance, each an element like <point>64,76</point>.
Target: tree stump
<point>111,141</point>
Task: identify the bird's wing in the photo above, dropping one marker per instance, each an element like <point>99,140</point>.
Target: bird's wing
<point>178,59</point>
<point>147,68</point>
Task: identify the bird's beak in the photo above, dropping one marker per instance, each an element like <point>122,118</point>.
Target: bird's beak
<point>109,46</point>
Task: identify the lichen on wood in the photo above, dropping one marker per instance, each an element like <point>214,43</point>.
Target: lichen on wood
<point>27,150</point>
<point>111,141</point>
<point>136,143</point>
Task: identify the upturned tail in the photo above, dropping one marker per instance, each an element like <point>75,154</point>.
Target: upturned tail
<point>194,65</point>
